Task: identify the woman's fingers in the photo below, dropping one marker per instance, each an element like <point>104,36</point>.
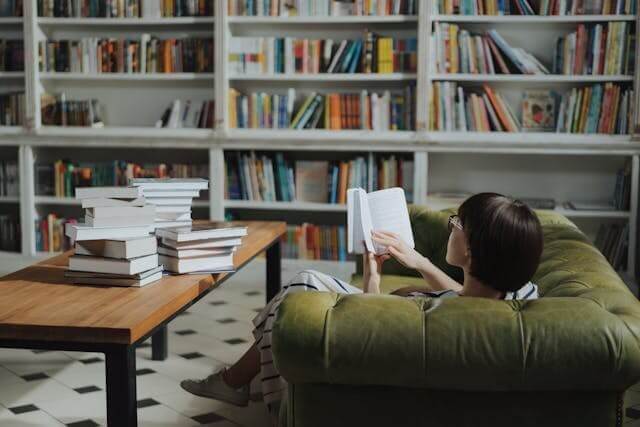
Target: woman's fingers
<point>383,240</point>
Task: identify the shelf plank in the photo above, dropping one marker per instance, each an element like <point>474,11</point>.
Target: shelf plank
<point>11,20</point>
<point>296,206</point>
<point>547,138</point>
<point>332,77</point>
<point>247,20</point>
<point>530,19</point>
<point>186,20</point>
<point>127,76</point>
<point>9,199</point>
<point>11,74</point>
<point>127,132</point>
<point>530,78</point>
<point>321,135</point>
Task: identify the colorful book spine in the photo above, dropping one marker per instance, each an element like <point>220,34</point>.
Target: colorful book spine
<point>59,111</point>
<point>49,233</point>
<point>526,7</point>
<point>315,242</point>
<point>291,8</point>
<point>123,8</point>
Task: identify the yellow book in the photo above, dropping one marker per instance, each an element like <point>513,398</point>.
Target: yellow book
<point>266,110</point>
<point>584,110</point>
<point>327,112</point>
<point>453,47</point>
<point>233,108</point>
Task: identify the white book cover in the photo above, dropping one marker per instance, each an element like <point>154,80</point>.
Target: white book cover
<point>202,244</point>
<point>108,203</point>
<point>207,263</point>
<point>384,210</point>
<point>168,201</point>
<point>173,216</point>
<point>121,211</point>
<point>106,281</point>
<point>125,248</point>
<point>161,224</point>
<point>201,232</point>
<point>108,192</point>
<point>174,208</point>
<point>113,266</point>
<point>79,232</point>
<point>162,193</point>
<point>194,253</point>
<point>156,184</point>
<point>118,221</point>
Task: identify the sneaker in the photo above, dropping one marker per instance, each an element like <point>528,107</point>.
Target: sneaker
<point>214,387</point>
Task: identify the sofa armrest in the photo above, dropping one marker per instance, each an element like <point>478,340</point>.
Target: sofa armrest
<point>459,343</point>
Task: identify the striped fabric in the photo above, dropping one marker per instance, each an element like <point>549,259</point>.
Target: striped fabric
<point>273,386</point>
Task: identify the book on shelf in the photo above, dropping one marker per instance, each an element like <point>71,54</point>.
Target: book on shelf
<point>61,178</point>
<point>541,7</point>
<point>613,241</point>
<point>311,241</point>
<point>50,233</point>
<point>188,114</point>
<point>596,49</point>
<point>483,111</point>
<point>598,108</point>
<point>382,210</point>
<point>9,178</point>
<point>291,8</point>
<point>122,8</point>
<point>538,110</point>
<point>10,232</point>
<point>93,55</point>
<point>12,109</point>
<point>388,110</point>
<point>273,178</point>
<point>10,8</point>
<point>57,110</point>
<point>372,53</point>
<point>11,55</point>
<point>458,51</point>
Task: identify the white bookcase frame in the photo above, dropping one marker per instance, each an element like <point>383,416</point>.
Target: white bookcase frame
<point>421,142</point>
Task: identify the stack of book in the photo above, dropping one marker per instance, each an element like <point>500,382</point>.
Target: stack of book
<point>59,111</point>
<point>171,197</point>
<point>370,54</point>
<point>108,252</point>
<point>199,248</point>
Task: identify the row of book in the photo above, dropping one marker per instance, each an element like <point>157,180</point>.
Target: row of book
<point>371,54</point>
<point>454,110</point>
<point>599,108</point>
<point>10,232</point>
<point>61,178</point>
<point>188,114</point>
<point>335,111</point>
<point>314,242</point>
<point>58,111</point>
<point>49,233</point>
<point>146,55</point>
<point>9,8</point>
<point>534,7</point>
<point>122,8</point>
<point>287,8</point>
<point>622,190</point>
<point>9,182</point>
<point>277,178</point>
<point>613,242</point>
<point>11,55</point>
<point>12,109</point>
<point>458,51</point>
<point>596,49</point>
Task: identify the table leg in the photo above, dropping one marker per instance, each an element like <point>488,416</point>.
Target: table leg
<point>159,344</point>
<point>274,270</point>
<point>121,386</point>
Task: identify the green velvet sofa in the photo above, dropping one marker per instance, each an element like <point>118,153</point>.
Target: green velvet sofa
<point>381,360</point>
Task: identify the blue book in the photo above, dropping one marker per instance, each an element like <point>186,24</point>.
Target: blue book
<point>334,190</point>
<point>594,109</point>
<point>346,60</point>
<point>356,58</point>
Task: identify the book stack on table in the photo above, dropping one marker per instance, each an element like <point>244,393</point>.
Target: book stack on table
<point>172,198</point>
<point>113,246</point>
<point>199,248</point>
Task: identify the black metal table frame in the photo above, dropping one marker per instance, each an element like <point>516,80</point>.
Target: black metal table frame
<point>120,369</point>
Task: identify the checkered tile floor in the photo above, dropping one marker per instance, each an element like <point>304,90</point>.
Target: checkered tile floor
<point>53,388</point>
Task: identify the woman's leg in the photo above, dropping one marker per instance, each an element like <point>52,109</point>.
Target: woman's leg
<point>244,370</point>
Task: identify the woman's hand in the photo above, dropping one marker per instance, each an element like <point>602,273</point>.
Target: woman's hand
<point>402,252</point>
<point>372,270</point>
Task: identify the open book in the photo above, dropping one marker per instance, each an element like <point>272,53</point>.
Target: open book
<point>383,210</point>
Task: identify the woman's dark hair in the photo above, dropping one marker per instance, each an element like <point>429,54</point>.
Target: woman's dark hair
<point>505,239</point>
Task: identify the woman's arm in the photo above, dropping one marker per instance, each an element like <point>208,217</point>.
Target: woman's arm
<point>371,271</point>
<point>436,279</point>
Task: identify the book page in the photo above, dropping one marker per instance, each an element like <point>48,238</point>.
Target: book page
<point>388,212</point>
<point>356,197</point>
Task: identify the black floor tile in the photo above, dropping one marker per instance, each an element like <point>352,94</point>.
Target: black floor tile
<point>185,332</point>
<point>145,403</point>
<point>87,389</point>
<point>234,341</point>
<point>91,360</point>
<point>23,409</point>
<point>35,377</point>
<point>217,302</point>
<point>144,371</point>
<point>190,356</point>
<point>84,423</point>
<point>226,320</point>
<point>208,418</point>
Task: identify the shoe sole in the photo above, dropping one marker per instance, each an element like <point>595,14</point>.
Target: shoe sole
<point>224,399</point>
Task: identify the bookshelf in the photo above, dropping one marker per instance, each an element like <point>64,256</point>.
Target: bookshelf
<point>133,102</point>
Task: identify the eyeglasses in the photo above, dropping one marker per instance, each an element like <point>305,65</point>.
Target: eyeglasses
<point>454,221</point>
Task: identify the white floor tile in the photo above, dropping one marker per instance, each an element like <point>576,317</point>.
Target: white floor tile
<point>162,416</point>
<point>81,407</point>
<point>190,405</point>
<point>29,419</point>
<point>34,392</point>
<point>78,374</point>
<point>150,385</point>
<point>24,362</point>
<point>7,377</point>
<point>179,368</point>
<point>254,415</point>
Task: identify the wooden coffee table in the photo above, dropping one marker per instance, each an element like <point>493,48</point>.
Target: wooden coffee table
<point>39,309</point>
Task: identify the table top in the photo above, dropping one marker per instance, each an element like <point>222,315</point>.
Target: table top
<point>37,303</point>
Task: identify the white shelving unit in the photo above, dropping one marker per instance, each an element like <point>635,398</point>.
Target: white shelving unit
<point>443,161</point>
